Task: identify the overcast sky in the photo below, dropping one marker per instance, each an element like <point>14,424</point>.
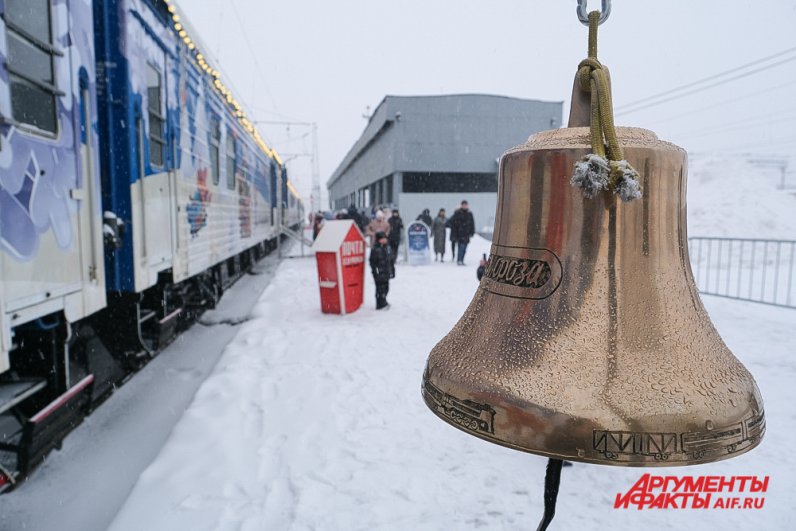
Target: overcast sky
<point>328,61</point>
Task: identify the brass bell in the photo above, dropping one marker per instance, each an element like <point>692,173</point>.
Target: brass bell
<point>586,339</point>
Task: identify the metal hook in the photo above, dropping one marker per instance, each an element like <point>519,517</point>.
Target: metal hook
<point>583,14</point>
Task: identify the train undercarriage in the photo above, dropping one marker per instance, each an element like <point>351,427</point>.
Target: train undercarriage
<point>61,371</point>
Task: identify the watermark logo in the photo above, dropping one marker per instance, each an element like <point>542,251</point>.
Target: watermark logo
<point>694,492</point>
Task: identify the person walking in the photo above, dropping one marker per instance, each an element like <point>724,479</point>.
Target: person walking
<point>394,236</point>
<point>317,225</point>
<point>449,225</point>
<point>463,226</point>
<point>379,224</point>
<point>381,266</point>
<point>425,217</point>
<point>438,235</point>
<point>353,214</point>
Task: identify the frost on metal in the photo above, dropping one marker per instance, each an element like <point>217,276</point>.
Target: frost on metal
<point>594,174</point>
<point>625,181</point>
<point>591,175</point>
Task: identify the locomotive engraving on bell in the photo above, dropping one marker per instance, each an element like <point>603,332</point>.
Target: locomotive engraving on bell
<point>586,339</point>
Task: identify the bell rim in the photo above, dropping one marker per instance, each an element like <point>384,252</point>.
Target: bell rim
<point>638,463</point>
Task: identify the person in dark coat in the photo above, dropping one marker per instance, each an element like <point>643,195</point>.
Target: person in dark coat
<point>449,225</point>
<point>425,217</point>
<point>354,214</point>
<point>463,227</point>
<point>317,225</point>
<point>381,266</point>
<point>396,229</point>
<point>438,235</point>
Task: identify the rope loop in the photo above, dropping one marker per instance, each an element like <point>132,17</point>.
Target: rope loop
<point>605,168</point>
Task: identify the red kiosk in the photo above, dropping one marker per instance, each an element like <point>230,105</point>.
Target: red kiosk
<point>340,255</point>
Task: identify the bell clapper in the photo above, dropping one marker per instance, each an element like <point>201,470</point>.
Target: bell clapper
<point>552,479</point>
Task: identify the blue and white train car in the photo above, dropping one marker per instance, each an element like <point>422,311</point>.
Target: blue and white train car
<point>51,248</point>
<point>194,183</point>
<point>133,190</point>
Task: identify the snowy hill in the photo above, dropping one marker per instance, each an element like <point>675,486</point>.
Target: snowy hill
<point>733,197</point>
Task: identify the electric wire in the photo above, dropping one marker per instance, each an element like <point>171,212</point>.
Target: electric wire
<point>691,112</point>
<point>709,78</point>
<point>753,121</point>
<point>705,87</point>
<point>768,144</point>
<point>258,68</point>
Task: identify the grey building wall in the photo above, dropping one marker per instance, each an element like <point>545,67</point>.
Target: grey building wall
<point>463,133</point>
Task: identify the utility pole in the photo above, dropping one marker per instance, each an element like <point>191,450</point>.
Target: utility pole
<point>315,197</point>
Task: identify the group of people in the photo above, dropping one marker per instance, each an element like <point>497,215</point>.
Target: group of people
<point>462,226</point>
<point>384,232</point>
<point>317,219</point>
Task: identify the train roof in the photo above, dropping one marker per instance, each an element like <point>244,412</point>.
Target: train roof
<point>183,28</point>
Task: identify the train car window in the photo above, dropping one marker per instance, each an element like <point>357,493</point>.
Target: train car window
<point>231,165</point>
<point>157,140</point>
<point>30,63</point>
<point>215,142</point>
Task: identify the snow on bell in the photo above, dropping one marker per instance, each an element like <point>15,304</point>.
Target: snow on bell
<point>586,339</point>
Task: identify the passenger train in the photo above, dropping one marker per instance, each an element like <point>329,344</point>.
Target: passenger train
<point>133,191</point>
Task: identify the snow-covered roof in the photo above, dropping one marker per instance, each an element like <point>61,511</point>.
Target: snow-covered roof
<point>332,235</point>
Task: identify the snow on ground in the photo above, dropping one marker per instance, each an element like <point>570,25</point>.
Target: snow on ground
<point>82,486</point>
<point>313,421</point>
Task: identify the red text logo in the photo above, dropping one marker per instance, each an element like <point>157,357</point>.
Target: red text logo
<point>694,492</point>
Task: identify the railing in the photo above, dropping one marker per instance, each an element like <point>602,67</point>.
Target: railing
<point>745,269</point>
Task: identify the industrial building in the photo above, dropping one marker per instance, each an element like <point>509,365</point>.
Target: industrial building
<point>433,151</point>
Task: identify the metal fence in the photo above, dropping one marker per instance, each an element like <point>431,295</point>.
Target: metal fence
<point>745,269</point>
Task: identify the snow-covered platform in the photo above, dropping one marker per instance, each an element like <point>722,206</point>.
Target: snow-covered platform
<point>315,421</point>
<point>83,485</point>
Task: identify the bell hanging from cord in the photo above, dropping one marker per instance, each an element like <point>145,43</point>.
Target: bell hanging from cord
<point>586,339</point>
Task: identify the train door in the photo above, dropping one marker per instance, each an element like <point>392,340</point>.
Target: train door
<point>171,98</point>
<point>155,177</point>
<point>90,218</point>
<point>274,194</point>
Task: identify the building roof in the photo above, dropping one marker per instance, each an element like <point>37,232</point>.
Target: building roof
<point>332,235</point>
<point>456,132</point>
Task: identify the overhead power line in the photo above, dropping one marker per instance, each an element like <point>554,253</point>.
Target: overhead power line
<point>709,78</point>
<point>681,92</point>
<point>775,143</point>
<point>734,126</point>
<point>253,54</point>
<point>690,112</point>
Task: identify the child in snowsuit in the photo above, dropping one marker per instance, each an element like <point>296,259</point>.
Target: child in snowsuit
<point>481,268</point>
<point>381,265</point>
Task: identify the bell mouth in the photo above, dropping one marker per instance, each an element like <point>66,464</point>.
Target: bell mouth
<point>558,435</point>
